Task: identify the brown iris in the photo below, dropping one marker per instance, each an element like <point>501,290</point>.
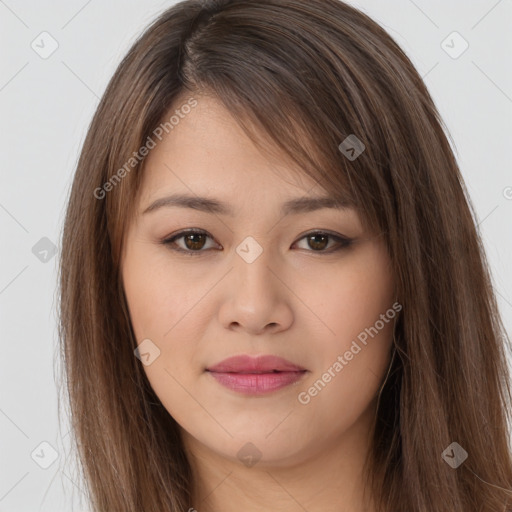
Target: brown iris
<point>194,241</point>
<point>318,241</point>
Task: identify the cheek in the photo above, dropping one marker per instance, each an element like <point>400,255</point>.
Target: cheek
<point>355,358</point>
<point>166,307</point>
<point>161,303</point>
<point>158,295</point>
<point>350,297</point>
<point>349,379</point>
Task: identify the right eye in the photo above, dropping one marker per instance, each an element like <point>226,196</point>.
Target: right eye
<point>193,241</point>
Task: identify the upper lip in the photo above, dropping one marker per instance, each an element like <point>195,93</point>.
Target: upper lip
<point>258,364</point>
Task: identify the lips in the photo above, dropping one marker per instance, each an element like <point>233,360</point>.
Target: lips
<point>260,364</point>
<point>256,375</point>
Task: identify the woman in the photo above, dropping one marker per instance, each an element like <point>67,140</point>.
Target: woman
<point>273,293</point>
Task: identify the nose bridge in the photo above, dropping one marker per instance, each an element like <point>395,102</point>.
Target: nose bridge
<point>258,299</point>
<point>253,274</point>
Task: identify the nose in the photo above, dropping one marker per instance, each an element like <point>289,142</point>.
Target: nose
<point>257,297</point>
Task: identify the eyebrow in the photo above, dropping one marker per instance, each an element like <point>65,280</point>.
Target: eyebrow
<point>209,205</point>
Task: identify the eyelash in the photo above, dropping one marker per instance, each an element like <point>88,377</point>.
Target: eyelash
<point>343,242</point>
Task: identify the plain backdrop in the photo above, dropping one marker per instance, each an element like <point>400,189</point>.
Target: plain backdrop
<point>46,106</point>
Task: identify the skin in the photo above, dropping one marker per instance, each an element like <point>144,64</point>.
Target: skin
<point>294,301</point>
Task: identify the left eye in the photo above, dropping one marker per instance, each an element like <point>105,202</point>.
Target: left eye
<point>194,241</point>
<point>319,240</point>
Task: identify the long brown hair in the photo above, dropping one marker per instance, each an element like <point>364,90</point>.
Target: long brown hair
<point>303,75</point>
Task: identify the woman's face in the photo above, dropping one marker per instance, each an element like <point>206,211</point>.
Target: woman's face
<point>255,280</point>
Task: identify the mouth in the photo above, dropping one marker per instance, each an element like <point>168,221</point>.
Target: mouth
<point>256,375</point>
<point>255,364</point>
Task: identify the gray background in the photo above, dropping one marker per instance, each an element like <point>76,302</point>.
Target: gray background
<point>46,106</point>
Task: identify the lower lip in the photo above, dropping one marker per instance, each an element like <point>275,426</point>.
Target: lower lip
<point>257,383</point>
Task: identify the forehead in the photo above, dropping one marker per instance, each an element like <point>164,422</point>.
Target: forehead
<point>206,150</point>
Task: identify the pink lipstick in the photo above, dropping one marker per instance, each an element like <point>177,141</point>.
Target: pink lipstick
<point>256,375</point>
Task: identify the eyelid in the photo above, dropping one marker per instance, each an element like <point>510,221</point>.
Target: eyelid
<point>342,241</point>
